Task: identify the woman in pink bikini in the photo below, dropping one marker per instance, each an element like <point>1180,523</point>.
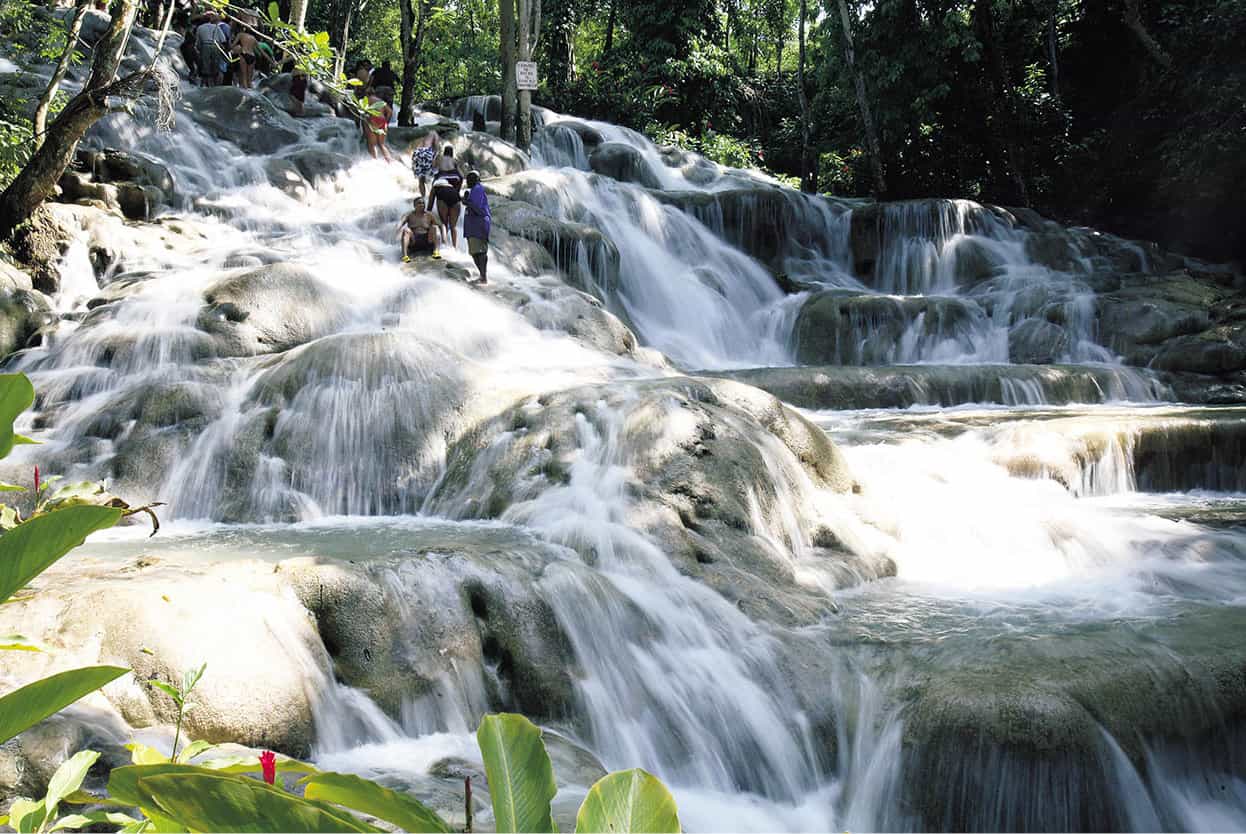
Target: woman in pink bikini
<point>376,125</point>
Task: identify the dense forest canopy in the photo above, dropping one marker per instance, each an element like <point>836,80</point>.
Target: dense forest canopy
<point>1124,114</point>
<point>1128,114</point>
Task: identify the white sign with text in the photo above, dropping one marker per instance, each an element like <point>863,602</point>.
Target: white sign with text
<point>525,75</point>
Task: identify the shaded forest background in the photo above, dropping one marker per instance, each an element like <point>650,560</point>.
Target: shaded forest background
<point>1128,115</point>
<point>1124,114</point>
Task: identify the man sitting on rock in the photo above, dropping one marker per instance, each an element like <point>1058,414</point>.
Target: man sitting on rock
<point>419,231</point>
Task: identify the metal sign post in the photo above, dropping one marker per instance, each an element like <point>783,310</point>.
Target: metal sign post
<point>525,75</point>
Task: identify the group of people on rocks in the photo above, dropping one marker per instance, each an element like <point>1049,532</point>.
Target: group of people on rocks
<point>223,52</point>
<point>441,181</point>
<point>443,198</point>
<point>229,49</point>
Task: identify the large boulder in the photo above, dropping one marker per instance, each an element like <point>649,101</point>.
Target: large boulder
<point>1144,311</point>
<point>286,176</point>
<point>270,309</point>
<point>317,163</point>
<point>22,313</point>
<point>160,621</point>
<point>835,327</point>
<point>701,474</point>
<point>589,259</point>
<point>623,163</point>
<point>489,155</point>
<point>766,222</point>
<point>1219,350</point>
<point>1037,342</point>
<point>245,117</point>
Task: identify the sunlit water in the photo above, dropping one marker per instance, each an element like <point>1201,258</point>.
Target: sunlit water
<point>1029,545</point>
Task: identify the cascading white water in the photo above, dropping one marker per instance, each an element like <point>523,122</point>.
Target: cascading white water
<point>1034,531</point>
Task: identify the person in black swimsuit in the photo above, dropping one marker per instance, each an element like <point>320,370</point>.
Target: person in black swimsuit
<point>447,188</point>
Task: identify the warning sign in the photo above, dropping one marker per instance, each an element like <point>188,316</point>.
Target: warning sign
<point>525,75</point>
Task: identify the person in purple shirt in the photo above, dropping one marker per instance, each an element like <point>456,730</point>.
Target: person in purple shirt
<point>476,224</point>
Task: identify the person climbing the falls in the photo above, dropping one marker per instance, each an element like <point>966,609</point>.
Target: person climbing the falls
<point>243,51</point>
<point>376,125</point>
<point>422,160</point>
<point>419,232</point>
<point>476,223</point>
<point>446,186</point>
<point>209,38</point>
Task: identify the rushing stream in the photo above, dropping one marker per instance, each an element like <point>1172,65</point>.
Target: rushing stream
<point>1023,614</point>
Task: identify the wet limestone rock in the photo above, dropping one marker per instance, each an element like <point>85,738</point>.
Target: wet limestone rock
<point>22,313</point>
<point>270,309</point>
<point>245,117</point>
<point>1037,342</point>
<point>623,163</point>
<point>588,259</point>
<point>491,156</point>
<point>700,455</point>
<point>161,620</point>
<point>286,176</point>
<point>836,327</point>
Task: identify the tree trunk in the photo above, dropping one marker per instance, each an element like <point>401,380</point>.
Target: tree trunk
<point>343,11</point>
<point>529,17</point>
<point>1007,120</point>
<point>58,75</point>
<point>506,10</point>
<point>808,170</point>
<point>778,57</point>
<point>298,14</point>
<point>1133,19</point>
<point>37,180</point>
<point>1053,52</point>
<point>610,25</point>
<point>412,54</point>
<point>863,103</point>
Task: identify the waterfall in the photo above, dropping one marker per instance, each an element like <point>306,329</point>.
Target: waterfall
<point>985,579</point>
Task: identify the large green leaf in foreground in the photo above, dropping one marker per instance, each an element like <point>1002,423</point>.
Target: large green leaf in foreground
<point>34,702</point>
<point>213,802</point>
<point>16,395</point>
<point>29,548</point>
<point>628,801</point>
<point>521,778</point>
<point>370,798</point>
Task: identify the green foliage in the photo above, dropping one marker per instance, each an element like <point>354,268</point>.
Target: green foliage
<point>629,800</point>
<point>220,802</point>
<point>370,798</point>
<point>23,708</point>
<point>521,778</point>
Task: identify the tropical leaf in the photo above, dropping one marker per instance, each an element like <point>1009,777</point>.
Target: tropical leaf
<point>34,702</point>
<point>628,801</point>
<point>16,395</point>
<point>251,764</point>
<point>67,779</point>
<point>217,802</point>
<point>171,691</point>
<point>18,643</point>
<point>25,816</point>
<point>75,821</point>
<point>195,748</point>
<point>521,778</point>
<point>370,798</point>
<point>28,549</point>
<point>141,754</point>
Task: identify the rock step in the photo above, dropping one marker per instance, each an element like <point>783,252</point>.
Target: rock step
<point>834,387</point>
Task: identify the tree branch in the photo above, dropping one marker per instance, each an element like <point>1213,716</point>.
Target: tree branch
<point>40,121</point>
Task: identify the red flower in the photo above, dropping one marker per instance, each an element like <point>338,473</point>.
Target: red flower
<point>36,479</point>
<point>268,761</point>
